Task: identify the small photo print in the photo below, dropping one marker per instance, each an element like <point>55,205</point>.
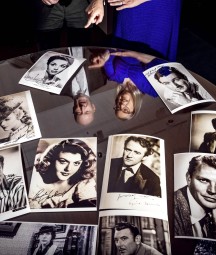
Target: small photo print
<point>18,120</point>
<point>124,234</point>
<point>31,238</point>
<point>13,195</point>
<point>194,195</point>
<point>51,72</point>
<point>64,175</point>
<point>177,88</point>
<point>203,131</point>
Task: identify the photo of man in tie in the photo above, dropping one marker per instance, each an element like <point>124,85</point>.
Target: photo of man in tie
<point>195,203</point>
<point>128,174</point>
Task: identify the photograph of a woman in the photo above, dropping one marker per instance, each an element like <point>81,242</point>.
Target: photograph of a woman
<point>51,72</point>
<point>18,121</point>
<point>64,175</point>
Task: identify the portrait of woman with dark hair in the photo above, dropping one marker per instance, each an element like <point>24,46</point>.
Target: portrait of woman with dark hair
<point>64,176</point>
<point>54,66</point>
<point>14,119</point>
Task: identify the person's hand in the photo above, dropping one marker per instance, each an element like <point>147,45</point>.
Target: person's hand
<point>126,3</point>
<point>95,12</point>
<point>50,2</point>
<point>86,189</point>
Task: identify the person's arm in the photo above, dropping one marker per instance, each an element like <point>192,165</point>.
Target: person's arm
<point>126,3</point>
<point>95,12</point>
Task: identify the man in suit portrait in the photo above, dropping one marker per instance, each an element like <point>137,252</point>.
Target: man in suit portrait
<point>128,174</point>
<point>195,203</point>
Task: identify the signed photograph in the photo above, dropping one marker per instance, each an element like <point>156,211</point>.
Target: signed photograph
<point>64,175</point>
<point>126,234</point>
<point>32,238</point>
<point>134,174</point>
<point>13,195</point>
<point>195,195</point>
<point>203,131</point>
<point>51,72</point>
<point>18,120</point>
<point>177,88</point>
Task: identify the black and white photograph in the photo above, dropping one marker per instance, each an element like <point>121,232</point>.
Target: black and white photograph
<point>125,234</point>
<point>134,175</point>
<point>18,120</point>
<point>203,131</point>
<point>195,195</point>
<point>51,72</point>
<point>64,175</point>
<point>48,238</point>
<point>177,88</point>
<point>13,195</point>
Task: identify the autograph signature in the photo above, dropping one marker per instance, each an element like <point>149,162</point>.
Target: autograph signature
<point>41,196</point>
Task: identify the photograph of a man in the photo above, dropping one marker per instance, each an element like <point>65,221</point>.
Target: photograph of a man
<point>128,173</point>
<point>12,194</point>
<point>195,203</point>
<point>128,240</point>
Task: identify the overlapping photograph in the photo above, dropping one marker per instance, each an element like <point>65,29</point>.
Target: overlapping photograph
<point>13,195</point>
<point>64,175</point>
<point>18,120</point>
<point>195,196</point>
<point>134,175</point>
<point>203,131</point>
<point>177,88</point>
<point>51,72</point>
<point>47,238</point>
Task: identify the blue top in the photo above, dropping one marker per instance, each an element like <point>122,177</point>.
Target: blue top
<point>118,68</point>
<point>154,23</point>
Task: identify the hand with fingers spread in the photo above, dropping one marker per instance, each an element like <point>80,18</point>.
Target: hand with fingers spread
<point>50,2</point>
<point>126,3</point>
<point>95,12</point>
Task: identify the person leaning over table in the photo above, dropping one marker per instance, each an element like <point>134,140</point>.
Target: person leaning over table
<point>128,241</point>
<point>51,16</point>
<point>12,195</point>
<point>153,23</point>
<point>14,119</point>
<point>55,65</point>
<point>83,109</point>
<point>126,66</point>
<point>128,174</point>
<point>195,203</point>
<point>178,89</point>
<point>66,176</point>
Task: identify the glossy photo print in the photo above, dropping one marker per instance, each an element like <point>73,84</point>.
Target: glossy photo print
<point>177,88</point>
<point>32,238</point>
<point>13,195</point>
<point>195,195</point>
<point>134,174</point>
<point>64,175</point>
<point>18,120</point>
<point>203,131</point>
<point>126,234</point>
<point>51,72</point>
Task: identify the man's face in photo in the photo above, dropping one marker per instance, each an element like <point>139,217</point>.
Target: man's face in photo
<point>1,173</point>
<point>133,153</point>
<point>173,82</point>
<point>202,186</point>
<point>125,242</point>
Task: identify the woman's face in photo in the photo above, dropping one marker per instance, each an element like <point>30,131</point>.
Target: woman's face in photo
<point>67,165</point>
<point>56,66</point>
<point>124,105</point>
<point>11,122</point>
<point>45,238</point>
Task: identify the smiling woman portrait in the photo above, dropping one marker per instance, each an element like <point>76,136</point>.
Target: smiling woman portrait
<point>14,119</point>
<point>65,175</point>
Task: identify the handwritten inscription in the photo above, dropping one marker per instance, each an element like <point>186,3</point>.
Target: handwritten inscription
<point>41,196</point>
